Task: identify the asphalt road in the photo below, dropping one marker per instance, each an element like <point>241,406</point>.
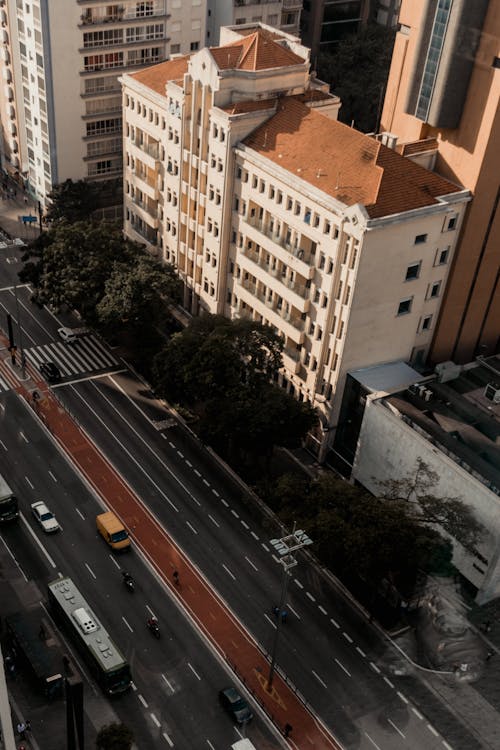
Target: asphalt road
<point>327,650</point>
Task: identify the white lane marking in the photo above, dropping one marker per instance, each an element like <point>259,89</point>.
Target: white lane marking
<point>180,454</point>
<point>142,700</point>
<point>205,481</point>
<point>360,651</point>
<point>311,597</point>
<point>374,667</point>
<point>417,713</point>
<point>168,683</point>
<point>14,559</point>
<point>372,741</point>
<point>214,521</point>
<point>134,686</point>
<point>342,667</point>
<point>171,445</point>
<point>3,445</point>
<point>188,463</point>
<point>234,513</point>
<point>269,620</point>
<point>448,747</point>
<point>347,636</point>
<point>265,546</point>
<point>403,697</point>
<point>229,572</point>
<point>155,720</point>
<point>51,561</point>
<point>244,524</point>
<point>396,728</point>
<point>216,495</point>
<point>23,436</point>
<point>224,502</point>
<point>128,625</point>
<point>191,527</point>
<point>386,679</point>
<point>150,610</point>
<point>251,563</point>
<point>80,514</point>
<point>299,584</point>
<point>31,485</point>
<point>252,533</point>
<point>198,473</point>
<point>52,475</point>
<point>334,622</point>
<point>322,609</point>
<point>319,679</point>
<point>167,738</point>
<point>193,670</point>
<point>431,729</point>
<point>91,571</point>
<point>210,745</point>
<point>294,612</point>
<point>115,563</point>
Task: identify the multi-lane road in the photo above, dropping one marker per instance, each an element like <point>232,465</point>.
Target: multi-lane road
<point>327,651</point>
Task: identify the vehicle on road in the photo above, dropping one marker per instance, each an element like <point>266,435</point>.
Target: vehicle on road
<point>154,627</point>
<point>112,531</point>
<point>235,705</point>
<point>68,605</point>
<point>128,581</point>
<point>243,744</point>
<point>9,508</point>
<point>30,638</point>
<point>50,372</point>
<point>45,518</point>
<point>70,335</point>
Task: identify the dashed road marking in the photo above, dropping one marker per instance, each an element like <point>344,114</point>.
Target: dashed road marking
<point>167,738</point>
<point>80,514</point>
<point>234,513</point>
<point>224,502</point>
<point>389,721</point>
<point>298,583</point>
<point>265,546</point>
<point>188,463</point>
<point>127,624</point>
<point>372,741</point>
<point>431,729</point>
<point>252,533</point>
<point>447,746</point>
<point>251,563</point>
<point>244,524</point>
<point>334,622</point>
<point>23,436</point>
<point>342,667</point>
<point>403,697</point>
<point>319,679</point>
<point>142,700</point>
<point>229,572</point>
<point>417,713</point>
<point>198,473</point>
<point>172,445</point>
<point>155,720</point>
<point>180,453</point>
<point>168,684</point>
<point>215,492</point>
<point>52,475</point>
<point>91,571</point>
<point>205,481</point>
<point>31,485</point>
<point>386,679</point>
<point>347,636</point>
<point>214,521</point>
<point>360,651</point>
<point>191,527</point>
<point>374,667</point>
<point>322,609</point>
<point>311,597</point>
<point>193,670</point>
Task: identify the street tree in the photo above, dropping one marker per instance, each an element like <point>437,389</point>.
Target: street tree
<point>357,72</point>
<point>418,491</point>
<point>114,736</point>
<point>72,201</point>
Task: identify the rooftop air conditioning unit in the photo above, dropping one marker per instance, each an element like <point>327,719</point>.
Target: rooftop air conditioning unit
<point>448,371</point>
<point>492,393</point>
<point>427,395</point>
<point>413,388</point>
<point>421,390</point>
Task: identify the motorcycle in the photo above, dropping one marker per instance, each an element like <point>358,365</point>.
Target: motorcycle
<point>154,627</point>
<point>128,581</point>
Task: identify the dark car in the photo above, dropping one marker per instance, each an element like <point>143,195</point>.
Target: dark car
<point>50,372</point>
<point>235,705</point>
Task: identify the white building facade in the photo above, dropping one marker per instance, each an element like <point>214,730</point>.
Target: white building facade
<point>60,67</point>
<point>237,172</point>
<point>282,14</point>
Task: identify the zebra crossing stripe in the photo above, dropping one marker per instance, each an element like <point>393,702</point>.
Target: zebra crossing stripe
<point>86,355</point>
<point>96,347</point>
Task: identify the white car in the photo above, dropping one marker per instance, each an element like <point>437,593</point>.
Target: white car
<point>45,518</point>
<point>70,335</point>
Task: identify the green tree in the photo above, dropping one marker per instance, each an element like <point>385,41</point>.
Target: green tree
<point>73,201</point>
<point>357,72</point>
<point>417,490</point>
<point>114,737</point>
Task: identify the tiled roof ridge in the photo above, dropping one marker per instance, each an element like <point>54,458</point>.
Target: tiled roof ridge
<point>252,53</point>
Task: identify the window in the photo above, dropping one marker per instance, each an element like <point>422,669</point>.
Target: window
<point>413,271</point>
<point>434,290</point>
<point>420,238</point>
<point>175,49</point>
<point>451,223</point>
<point>426,323</point>
<point>194,46</point>
<point>442,256</point>
<point>405,306</point>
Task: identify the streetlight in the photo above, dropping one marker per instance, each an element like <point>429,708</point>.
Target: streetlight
<point>20,330</point>
<point>286,547</point>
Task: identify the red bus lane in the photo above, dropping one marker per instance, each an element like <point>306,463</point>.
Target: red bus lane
<point>226,634</point>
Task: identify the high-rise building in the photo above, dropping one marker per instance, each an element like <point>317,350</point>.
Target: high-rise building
<point>444,90</point>
<point>324,23</point>
<point>237,171</point>
<point>282,14</point>
<point>60,102</point>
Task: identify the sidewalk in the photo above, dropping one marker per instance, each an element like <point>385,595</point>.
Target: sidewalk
<point>15,203</point>
<point>201,603</point>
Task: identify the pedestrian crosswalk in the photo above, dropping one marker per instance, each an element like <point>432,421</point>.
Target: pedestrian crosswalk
<point>73,360</point>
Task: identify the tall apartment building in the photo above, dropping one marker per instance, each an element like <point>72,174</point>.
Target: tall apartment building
<point>60,102</point>
<point>282,14</point>
<point>237,171</point>
<point>444,89</point>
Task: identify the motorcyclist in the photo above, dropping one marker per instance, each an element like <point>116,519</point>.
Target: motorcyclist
<point>127,578</point>
<point>153,623</point>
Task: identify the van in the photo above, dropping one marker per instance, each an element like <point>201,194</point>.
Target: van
<point>243,744</point>
<point>112,531</point>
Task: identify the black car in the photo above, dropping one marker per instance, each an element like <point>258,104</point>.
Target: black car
<point>235,705</point>
<point>50,372</point>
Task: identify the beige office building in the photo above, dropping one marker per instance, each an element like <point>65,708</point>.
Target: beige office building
<point>237,171</point>
<point>444,92</point>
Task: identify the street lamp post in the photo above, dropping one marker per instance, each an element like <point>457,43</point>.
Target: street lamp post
<point>286,548</point>
<point>20,331</point>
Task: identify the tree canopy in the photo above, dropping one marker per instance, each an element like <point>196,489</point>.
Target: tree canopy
<point>114,737</point>
<point>357,72</point>
<point>73,201</point>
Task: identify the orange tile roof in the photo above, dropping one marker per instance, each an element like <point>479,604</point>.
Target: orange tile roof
<point>345,163</point>
<point>157,76</point>
<point>254,105</point>
<point>257,51</point>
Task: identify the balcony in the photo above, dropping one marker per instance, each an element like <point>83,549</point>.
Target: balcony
<point>297,258</point>
<point>300,293</point>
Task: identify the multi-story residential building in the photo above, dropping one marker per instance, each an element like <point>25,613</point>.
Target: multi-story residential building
<point>444,89</point>
<point>61,101</point>
<point>237,171</point>
<point>282,14</point>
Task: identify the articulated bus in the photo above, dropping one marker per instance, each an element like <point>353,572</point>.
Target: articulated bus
<point>104,659</point>
<point>33,645</point>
